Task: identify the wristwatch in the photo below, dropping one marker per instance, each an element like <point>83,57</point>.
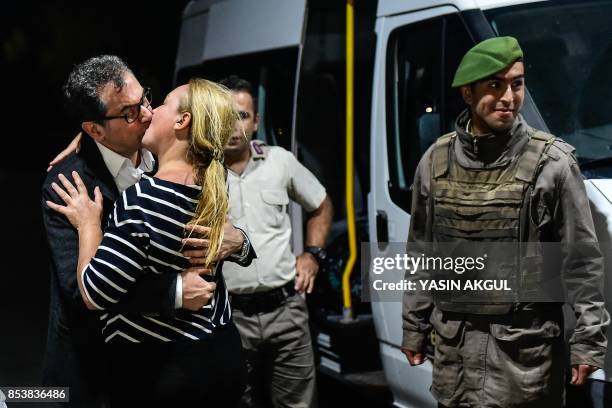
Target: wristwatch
<point>246,244</point>
<point>319,253</point>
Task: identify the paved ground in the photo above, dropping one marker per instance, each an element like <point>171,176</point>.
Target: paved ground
<point>371,391</point>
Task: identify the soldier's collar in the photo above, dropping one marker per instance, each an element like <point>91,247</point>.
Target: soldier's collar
<point>463,126</point>
<point>258,152</point>
<point>491,149</point>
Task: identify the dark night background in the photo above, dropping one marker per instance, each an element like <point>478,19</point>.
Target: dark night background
<point>40,43</point>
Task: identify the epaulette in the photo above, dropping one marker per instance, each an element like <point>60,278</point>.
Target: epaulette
<point>535,153</point>
<point>561,147</point>
<point>440,154</point>
<point>257,149</point>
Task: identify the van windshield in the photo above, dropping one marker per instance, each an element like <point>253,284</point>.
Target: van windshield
<point>568,64</point>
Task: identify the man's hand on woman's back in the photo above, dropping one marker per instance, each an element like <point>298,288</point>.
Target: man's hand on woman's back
<point>232,242</point>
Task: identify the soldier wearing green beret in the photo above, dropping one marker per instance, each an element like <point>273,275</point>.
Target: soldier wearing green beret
<point>497,179</point>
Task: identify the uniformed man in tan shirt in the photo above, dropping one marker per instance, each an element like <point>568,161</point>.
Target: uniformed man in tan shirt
<point>268,307</point>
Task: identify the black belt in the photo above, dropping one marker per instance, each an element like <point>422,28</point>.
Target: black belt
<point>261,302</point>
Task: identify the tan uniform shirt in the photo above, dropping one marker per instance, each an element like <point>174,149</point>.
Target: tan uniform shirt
<point>258,204</point>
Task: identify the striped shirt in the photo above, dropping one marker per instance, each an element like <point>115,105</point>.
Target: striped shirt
<point>144,235</point>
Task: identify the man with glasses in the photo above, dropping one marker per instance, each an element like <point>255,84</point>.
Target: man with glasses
<point>114,110</point>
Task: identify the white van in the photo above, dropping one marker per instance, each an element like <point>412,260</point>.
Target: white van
<point>406,53</point>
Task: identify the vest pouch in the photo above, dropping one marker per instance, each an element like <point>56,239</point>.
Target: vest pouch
<point>532,273</point>
<point>444,327</point>
<point>491,289</point>
<point>526,328</point>
<point>541,277</point>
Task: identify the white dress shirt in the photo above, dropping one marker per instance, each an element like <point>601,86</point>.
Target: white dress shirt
<point>123,170</point>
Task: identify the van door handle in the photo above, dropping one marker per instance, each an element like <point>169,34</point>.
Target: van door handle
<point>382,229</point>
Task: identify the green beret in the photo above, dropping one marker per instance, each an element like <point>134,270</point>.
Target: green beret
<point>487,58</point>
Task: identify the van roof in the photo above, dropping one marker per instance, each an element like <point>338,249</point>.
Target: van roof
<point>391,7</point>
<point>207,32</point>
<point>209,28</point>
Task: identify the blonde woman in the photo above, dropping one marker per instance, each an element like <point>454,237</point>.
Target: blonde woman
<point>192,357</point>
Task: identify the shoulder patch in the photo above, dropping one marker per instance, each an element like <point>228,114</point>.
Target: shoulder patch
<point>258,145</point>
<point>259,149</point>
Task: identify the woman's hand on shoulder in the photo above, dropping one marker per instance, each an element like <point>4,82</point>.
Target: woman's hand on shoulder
<point>80,210</point>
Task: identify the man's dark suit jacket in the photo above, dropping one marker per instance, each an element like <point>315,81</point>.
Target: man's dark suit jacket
<point>74,355</point>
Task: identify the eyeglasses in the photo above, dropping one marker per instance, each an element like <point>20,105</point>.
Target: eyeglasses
<point>133,111</point>
<point>244,115</point>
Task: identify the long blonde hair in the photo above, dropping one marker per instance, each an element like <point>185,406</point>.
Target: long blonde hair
<point>213,117</point>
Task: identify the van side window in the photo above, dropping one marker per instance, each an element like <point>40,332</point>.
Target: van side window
<point>321,114</point>
<point>457,42</point>
<point>421,106</point>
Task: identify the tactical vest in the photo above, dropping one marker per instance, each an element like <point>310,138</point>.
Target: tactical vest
<point>487,205</point>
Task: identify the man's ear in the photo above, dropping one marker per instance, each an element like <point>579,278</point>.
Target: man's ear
<point>95,130</point>
<point>466,93</point>
<point>183,121</point>
<point>256,122</point>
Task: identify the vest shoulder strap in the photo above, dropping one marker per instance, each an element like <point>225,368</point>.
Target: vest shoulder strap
<point>543,136</point>
<point>440,154</point>
<point>565,147</point>
<point>537,146</point>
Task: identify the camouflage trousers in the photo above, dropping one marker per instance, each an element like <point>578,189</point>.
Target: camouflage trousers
<point>515,360</point>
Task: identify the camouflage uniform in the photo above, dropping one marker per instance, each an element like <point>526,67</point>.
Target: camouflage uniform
<point>512,357</point>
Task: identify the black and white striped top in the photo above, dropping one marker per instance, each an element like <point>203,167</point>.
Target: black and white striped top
<point>144,235</point>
